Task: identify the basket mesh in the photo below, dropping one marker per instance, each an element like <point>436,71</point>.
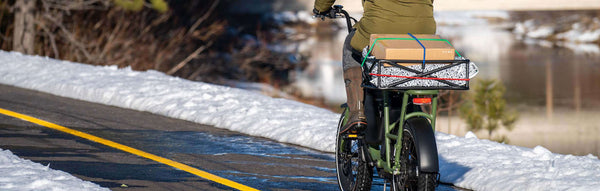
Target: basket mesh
<point>396,77</point>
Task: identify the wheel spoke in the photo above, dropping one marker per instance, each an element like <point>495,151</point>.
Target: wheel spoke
<point>408,157</point>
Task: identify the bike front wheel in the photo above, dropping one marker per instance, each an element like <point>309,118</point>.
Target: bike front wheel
<point>353,172</point>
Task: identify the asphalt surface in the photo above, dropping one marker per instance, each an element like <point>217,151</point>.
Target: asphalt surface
<point>255,162</point>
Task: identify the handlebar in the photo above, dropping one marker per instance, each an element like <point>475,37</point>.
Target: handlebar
<point>337,11</point>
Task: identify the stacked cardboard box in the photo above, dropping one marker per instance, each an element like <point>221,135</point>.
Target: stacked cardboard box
<point>404,47</point>
<point>410,49</point>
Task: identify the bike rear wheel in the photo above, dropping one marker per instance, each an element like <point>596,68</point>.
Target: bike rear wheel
<point>353,172</point>
<point>410,179</point>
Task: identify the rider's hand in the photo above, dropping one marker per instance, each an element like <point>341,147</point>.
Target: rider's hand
<point>324,14</point>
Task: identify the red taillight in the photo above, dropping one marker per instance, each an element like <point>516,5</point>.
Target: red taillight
<point>422,101</point>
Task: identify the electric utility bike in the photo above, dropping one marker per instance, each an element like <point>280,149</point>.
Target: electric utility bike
<point>399,140</point>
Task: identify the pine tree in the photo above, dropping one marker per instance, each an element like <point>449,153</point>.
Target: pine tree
<point>485,108</point>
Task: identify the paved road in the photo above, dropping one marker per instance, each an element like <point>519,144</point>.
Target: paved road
<point>255,162</point>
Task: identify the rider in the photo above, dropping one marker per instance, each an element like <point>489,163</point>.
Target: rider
<point>379,17</point>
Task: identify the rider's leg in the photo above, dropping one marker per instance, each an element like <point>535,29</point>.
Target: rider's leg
<point>354,92</point>
<point>355,100</point>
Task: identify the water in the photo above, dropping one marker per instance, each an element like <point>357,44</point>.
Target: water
<point>554,86</point>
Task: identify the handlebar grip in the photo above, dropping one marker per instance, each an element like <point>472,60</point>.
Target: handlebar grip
<point>333,13</point>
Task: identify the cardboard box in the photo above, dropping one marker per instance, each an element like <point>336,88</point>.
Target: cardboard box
<point>410,49</point>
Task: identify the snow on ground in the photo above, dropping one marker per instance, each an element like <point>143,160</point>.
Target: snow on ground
<point>21,174</point>
<point>578,33</point>
<point>477,164</point>
<point>516,5</point>
<point>580,36</point>
<point>224,107</point>
<point>465,161</point>
<point>464,18</point>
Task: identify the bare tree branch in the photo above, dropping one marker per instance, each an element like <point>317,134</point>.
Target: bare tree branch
<point>188,58</point>
<point>70,36</point>
<point>51,37</point>
<point>204,17</point>
<point>78,5</point>
<point>110,39</point>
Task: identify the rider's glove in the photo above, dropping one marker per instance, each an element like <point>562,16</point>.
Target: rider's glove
<point>324,14</point>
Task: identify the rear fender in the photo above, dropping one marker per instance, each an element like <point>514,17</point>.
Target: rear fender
<point>425,144</point>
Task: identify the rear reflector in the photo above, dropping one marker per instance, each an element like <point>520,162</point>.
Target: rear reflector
<point>422,101</point>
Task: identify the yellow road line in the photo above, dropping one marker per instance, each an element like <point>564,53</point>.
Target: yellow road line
<point>128,149</point>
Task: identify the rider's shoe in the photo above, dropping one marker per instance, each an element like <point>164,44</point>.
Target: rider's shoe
<point>356,123</point>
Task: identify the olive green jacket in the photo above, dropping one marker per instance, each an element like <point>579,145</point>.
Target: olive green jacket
<point>389,17</point>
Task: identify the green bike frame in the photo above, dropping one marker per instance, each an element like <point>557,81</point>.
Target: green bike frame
<point>398,125</point>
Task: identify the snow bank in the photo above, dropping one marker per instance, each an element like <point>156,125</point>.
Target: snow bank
<point>230,108</point>
<point>21,174</point>
<point>292,17</point>
<point>581,34</point>
<point>464,18</point>
<point>485,165</point>
<point>467,162</point>
<point>578,32</point>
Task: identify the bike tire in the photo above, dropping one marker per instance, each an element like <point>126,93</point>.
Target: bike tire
<point>411,180</point>
<point>427,181</point>
<point>353,173</point>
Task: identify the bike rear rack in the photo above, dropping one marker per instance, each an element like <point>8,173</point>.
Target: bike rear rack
<point>375,70</point>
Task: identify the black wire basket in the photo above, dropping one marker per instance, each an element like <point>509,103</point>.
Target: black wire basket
<point>416,74</point>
